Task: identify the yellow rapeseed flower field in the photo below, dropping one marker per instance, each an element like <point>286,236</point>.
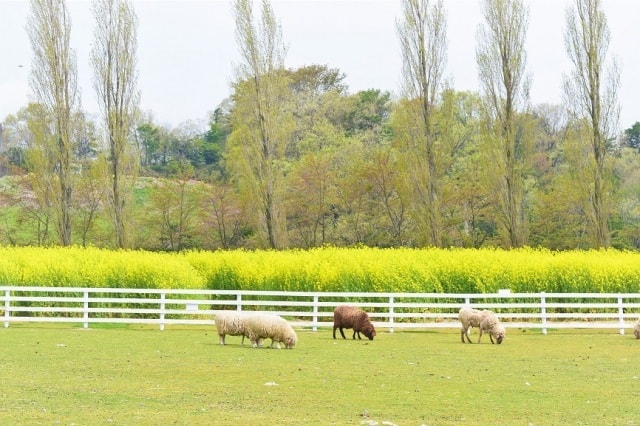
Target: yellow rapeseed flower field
<point>95,268</point>
<point>328,269</point>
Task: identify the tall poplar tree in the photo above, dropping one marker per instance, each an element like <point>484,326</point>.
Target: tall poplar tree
<point>501,59</point>
<point>54,83</point>
<point>261,121</point>
<point>591,90</point>
<point>115,80</point>
<point>423,38</point>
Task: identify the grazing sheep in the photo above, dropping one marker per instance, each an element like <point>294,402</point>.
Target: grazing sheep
<point>491,324</point>
<point>351,317</point>
<point>484,320</point>
<point>231,323</point>
<point>468,317</point>
<point>636,329</point>
<point>261,326</point>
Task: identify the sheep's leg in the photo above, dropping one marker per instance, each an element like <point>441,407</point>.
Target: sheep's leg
<point>356,333</point>
<point>480,335</point>
<point>221,339</point>
<point>255,341</point>
<point>464,333</point>
<point>469,334</point>
<point>491,338</point>
<point>342,332</point>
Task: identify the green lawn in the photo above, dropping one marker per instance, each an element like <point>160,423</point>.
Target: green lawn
<point>59,374</point>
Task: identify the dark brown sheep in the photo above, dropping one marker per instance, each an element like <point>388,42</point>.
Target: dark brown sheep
<point>352,317</point>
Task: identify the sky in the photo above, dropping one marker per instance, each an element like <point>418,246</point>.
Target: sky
<point>187,50</point>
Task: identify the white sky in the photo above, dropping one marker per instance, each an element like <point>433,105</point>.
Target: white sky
<point>187,49</point>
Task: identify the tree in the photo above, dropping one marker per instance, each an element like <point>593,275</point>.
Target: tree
<point>628,198</point>
<point>318,96</point>
<point>88,198</point>
<point>386,179</point>
<point>115,78</point>
<point>40,160</point>
<point>149,139</point>
<point>174,203</point>
<point>311,197</point>
<point>501,60</point>
<point>16,137</point>
<point>591,96</point>
<point>368,116</point>
<point>221,216</point>
<point>632,136</point>
<point>54,82</point>
<point>262,125</point>
<point>455,122</point>
<point>422,32</point>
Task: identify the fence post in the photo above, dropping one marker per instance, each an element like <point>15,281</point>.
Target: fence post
<point>85,312</point>
<point>7,305</point>
<point>543,312</point>
<point>621,315</point>
<point>162,307</point>
<point>315,312</point>
<point>390,314</point>
<point>239,302</point>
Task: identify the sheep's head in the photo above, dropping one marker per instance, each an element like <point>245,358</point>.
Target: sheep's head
<point>289,342</point>
<point>369,331</point>
<point>499,335</point>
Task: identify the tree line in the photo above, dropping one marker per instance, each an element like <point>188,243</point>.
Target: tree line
<point>292,159</point>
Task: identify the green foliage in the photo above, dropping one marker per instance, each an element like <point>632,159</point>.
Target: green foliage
<point>632,136</point>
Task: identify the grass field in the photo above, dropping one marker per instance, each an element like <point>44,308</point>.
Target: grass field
<point>59,374</point>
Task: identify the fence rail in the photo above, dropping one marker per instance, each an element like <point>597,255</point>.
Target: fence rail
<point>542,311</point>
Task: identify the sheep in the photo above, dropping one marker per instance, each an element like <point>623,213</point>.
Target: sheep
<point>491,324</point>
<point>636,329</point>
<point>484,320</point>
<point>261,326</point>
<point>232,323</point>
<point>468,317</point>
<point>351,317</point>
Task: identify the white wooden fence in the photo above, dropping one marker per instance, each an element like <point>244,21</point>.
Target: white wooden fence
<point>542,311</point>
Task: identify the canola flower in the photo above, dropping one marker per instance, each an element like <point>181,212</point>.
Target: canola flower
<point>95,268</point>
<point>328,269</point>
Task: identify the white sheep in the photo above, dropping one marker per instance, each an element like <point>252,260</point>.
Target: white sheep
<point>491,324</point>
<point>636,329</point>
<point>261,326</point>
<point>484,320</point>
<point>231,323</point>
